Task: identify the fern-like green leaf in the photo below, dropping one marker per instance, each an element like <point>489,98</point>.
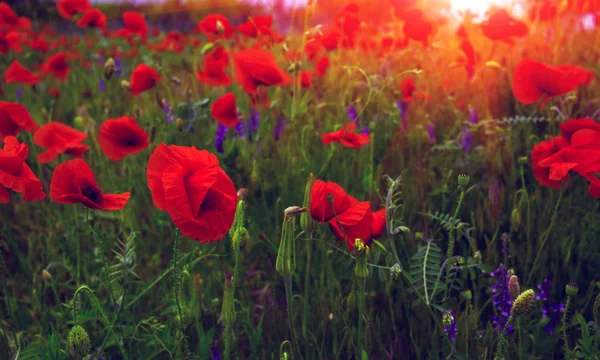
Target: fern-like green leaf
<point>424,268</point>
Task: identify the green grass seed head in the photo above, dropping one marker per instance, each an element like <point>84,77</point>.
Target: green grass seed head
<point>523,303</point>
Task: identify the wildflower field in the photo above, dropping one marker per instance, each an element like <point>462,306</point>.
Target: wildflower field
<point>338,180</point>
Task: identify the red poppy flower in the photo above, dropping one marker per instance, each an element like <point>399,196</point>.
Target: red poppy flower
<point>542,151</point>
<point>17,73</point>
<point>533,79</point>
<point>501,26</point>
<point>215,25</point>
<point>14,118</point>
<point>190,185</point>
<point>68,8</point>
<point>346,137</point>
<point>15,175</point>
<point>39,44</point>
<point>312,48</point>
<point>10,21</point>
<point>417,27</point>
<point>305,78</point>
<point>120,137</point>
<point>356,223</point>
<point>320,207</point>
<point>214,69</point>
<point>73,182</point>
<point>59,138</point>
<point>11,41</point>
<point>322,66</point>
<point>256,25</point>
<point>224,110</point>
<point>134,24</point>
<point>331,39</point>
<point>378,222</point>
<point>54,92</point>
<point>255,67</point>
<point>93,18</point>
<point>58,66</point>
<point>407,87</point>
<point>143,78</point>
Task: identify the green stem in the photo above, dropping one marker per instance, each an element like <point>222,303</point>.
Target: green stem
<point>309,246</point>
<point>98,307</point>
<point>361,307</point>
<point>546,234</point>
<point>229,327</point>
<point>287,281</point>
<point>176,280</point>
<point>503,339</point>
<point>564,327</point>
<point>7,298</point>
<point>451,240</point>
<point>467,329</point>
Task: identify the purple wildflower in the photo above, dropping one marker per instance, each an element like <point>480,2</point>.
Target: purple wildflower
<point>118,71</point>
<point>505,249</point>
<point>364,130</point>
<point>431,132</point>
<point>215,353</point>
<point>473,116</point>
<point>550,310</point>
<point>168,112</point>
<point>19,93</point>
<point>253,122</point>
<point>101,85</point>
<point>449,322</point>
<point>352,115</point>
<point>466,139</point>
<point>279,127</point>
<point>220,137</point>
<point>239,129</point>
<point>502,299</point>
<point>403,107</point>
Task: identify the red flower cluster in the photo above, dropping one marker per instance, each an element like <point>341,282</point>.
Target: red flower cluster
<point>214,69</point>
<point>15,175</point>
<point>330,203</point>
<point>577,150</point>
<point>346,136</point>
<point>190,185</point>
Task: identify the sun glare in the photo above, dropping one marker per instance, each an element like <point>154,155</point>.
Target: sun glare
<point>477,7</point>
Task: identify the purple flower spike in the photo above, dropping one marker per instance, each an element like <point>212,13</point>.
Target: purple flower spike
<point>352,114</point>
<point>449,322</point>
<point>466,140</point>
<point>101,85</point>
<point>253,123</point>
<point>502,299</point>
<point>220,137</point>
<point>473,116</point>
<point>403,107</point>
<point>19,93</point>
<point>431,132</point>
<point>168,112</point>
<point>550,310</point>
<point>279,127</point>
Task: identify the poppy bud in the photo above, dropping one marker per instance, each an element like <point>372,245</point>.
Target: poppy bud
<point>596,311</point>
<point>79,122</point>
<point>523,160</point>
<point>242,193</point>
<point>572,289</point>
<point>463,180</point>
<point>514,289</point>
<point>515,220</point>
<point>286,255</point>
<point>179,123</point>
<point>79,341</point>
<point>466,294</point>
<point>238,223</point>
<point>228,309</point>
<point>362,252</point>
<point>220,27</point>
<point>307,223</point>
<point>395,270</point>
<point>109,68</point>
<point>46,276</point>
<point>125,84</point>
<point>477,257</point>
<point>523,303</point>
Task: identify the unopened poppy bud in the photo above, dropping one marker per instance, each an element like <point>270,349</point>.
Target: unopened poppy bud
<point>514,289</point>
<point>463,180</point>
<point>228,309</point>
<point>572,289</point>
<point>523,303</point>
<point>307,223</point>
<point>242,193</point>
<point>466,294</point>
<point>523,160</point>
<point>477,257</point>
<point>179,123</point>
<point>395,270</point>
<point>515,219</point>
<point>44,112</point>
<point>125,84</point>
<point>79,122</point>
<point>79,341</point>
<point>362,251</point>
<point>46,276</point>
<point>596,310</point>
<point>220,27</point>
<point>286,255</point>
<point>109,68</point>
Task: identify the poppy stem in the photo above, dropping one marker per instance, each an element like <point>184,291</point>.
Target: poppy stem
<point>7,298</point>
<point>502,338</point>
<point>361,307</point>
<point>176,280</point>
<point>98,307</point>
<point>451,239</point>
<point>287,281</point>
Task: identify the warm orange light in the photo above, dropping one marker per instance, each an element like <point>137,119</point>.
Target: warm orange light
<point>477,7</point>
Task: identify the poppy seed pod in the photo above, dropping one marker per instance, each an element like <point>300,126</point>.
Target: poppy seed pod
<point>466,294</point>
<point>286,255</point>
<point>523,160</point>
<point>514,289</point>
<point>463,180</point>
<point>307,223</point>
<point>523,303</point>
<point>572,289</point>
<point>79,341</point>
<point>109,68</point>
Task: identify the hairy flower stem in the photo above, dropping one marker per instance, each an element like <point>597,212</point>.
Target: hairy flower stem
<point>564,327</point>
<point>177,282</point>
<point>7,299</point>
<point>361,307</point>
<point>502,339</point>
<point>309,246</point>
<point>467,328</point>
<point>287,281</point>
<point>451,242</point>
<point>98,307</point>
<point>229,327</point>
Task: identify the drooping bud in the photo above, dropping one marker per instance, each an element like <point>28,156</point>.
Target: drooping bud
<point>109,68</point>
<point>46,276</point>
<point>362,253</point>
<point>449,322</point>
<point>463,180</point>
<point>286,256</point>
<point>79,341</point>
<point>515,220</point>
<point>307,223</point>
<point>466,294</point>
<point>396,270</point>
<point>228,309</point>
<point>523,303</point>
<point>514,289</point>
<point>572,289</point>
